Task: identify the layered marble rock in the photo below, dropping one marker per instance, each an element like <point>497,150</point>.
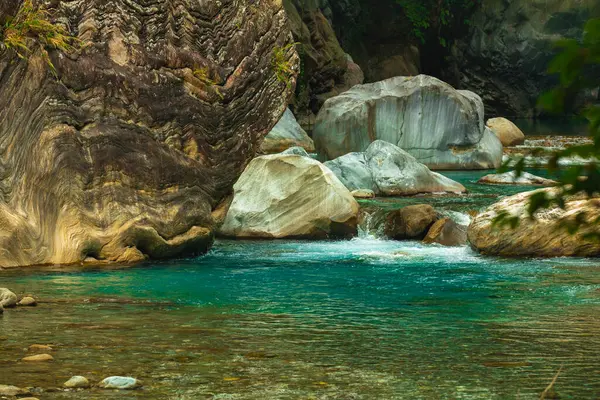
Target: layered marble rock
<point>508,133</point>
<point>388,170</point>
<point>545,236</point>
<point>286,134</point>
<point>440,126</point>
<point>290,196</point>
<point>124,154</point>
<point>510,178</point>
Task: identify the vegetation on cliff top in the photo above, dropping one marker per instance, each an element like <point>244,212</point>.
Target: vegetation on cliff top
<point>437,16</point>
<point>31,29</point>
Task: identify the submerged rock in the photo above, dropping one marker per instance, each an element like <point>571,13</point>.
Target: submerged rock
<point>38,358</point>
<point>389,171</point>
<point>545,236</point>
<point>510,178</point>
<point>411,222</point>
<point>508,133</point>
<point>282,196</point>
<point>440,126</point>
<point>7,298</point>
<point>447,233</point>
<point>40,347</point>
<point>28,301</point>
<point>9,390</point>
<point>77,382</point>
<point>120,382</point>
<point>123,155</point>
<point>287,133</point>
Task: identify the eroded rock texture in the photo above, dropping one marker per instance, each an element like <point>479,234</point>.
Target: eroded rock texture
<point>505,56</point>
<point>124,155</point>
<point>546,236</point>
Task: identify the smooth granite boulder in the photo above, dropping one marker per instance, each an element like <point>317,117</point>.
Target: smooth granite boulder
<point>545,236</point>
<point>438,125</point>
<point>287,133</point>
<point>122,150</point>
<point>508,133</point>
<point>353,171</point>
<point>290,196</point>
<point>510,178</point>
<point>388,170</point>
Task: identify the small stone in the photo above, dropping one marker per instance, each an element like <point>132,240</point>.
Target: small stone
<point>39,358</point>
<point>77,382</point>
<point>7,298</point>
<point>363,194</point>
<point>120,382</point>
<point>9,390</point>
<point>28,301</point>
<point>40,347</point>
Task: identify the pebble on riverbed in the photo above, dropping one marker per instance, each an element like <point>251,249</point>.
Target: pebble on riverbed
<point>39,358</point>
<point>120,382</point>
<point>77,382</point>
<point>40,347</point>
<point>28,301</point>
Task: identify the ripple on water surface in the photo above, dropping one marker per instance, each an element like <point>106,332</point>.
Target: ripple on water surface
<point>359,319</point>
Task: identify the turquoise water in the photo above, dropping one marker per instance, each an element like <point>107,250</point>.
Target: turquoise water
<point>361,319</point>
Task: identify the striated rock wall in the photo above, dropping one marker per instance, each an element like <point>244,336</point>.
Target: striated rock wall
<point>505,56</point>
<point>126,152</point>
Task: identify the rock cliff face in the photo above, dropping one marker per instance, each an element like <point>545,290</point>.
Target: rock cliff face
<point>505,56</point>
<point>126,152</point>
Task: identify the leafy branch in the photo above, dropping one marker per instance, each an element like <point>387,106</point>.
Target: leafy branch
<point>283,67</point>
<point>576,65</point>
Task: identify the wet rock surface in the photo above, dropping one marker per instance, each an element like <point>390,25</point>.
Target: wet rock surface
<point>546,236</point>
<point>411,222</point>
<point>125,153</point>
<point>511,178</point>
<point>447,233</point>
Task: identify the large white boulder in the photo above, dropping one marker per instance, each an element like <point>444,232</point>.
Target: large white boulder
<point>440,126</point>
<point>287,133</point>
<point>388,170</point>
<point>290,196</point>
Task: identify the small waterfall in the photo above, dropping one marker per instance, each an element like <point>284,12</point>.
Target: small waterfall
<point>371,224</point>
<point>458,217</point>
